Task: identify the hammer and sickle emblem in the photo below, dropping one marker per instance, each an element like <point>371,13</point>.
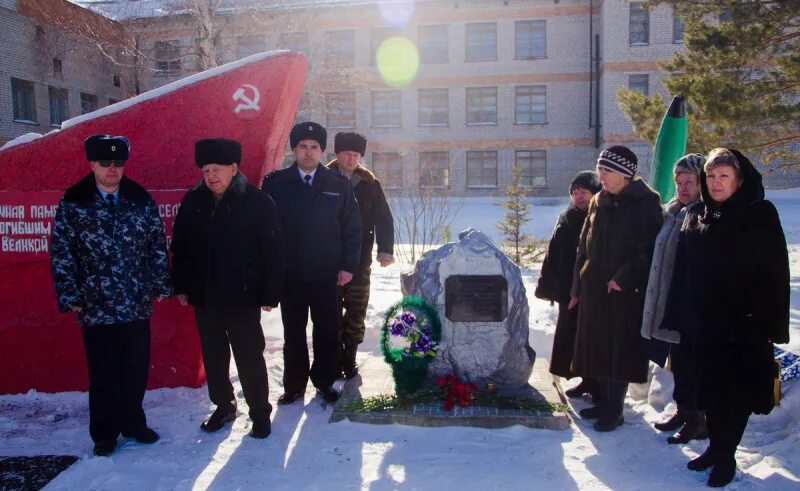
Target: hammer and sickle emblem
<point>246,103</point>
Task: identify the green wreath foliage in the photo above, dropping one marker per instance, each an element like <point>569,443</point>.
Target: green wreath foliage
<point>392,355</point>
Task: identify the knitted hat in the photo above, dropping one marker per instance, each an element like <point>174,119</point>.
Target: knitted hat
<point>106,147</point>
<point>619,159</point>
<point>587,180</point>
<point>692,163</point>
<point>217,151</point>
<point>308,131</point>
<point>349,141</point>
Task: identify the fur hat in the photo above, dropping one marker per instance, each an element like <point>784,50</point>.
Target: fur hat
<point>106,147</point>
<point>349,141</point>
<point>217,151</point>
<point>587,180</point>
<point>619,159</point>
<point>308,131</point>
<point>692,163</point>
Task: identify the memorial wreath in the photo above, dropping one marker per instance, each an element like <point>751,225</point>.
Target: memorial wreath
<point>410,335</point>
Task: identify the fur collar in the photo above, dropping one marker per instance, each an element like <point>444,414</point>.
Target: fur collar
<point>238,184</point>
<point>85,190</point>
<point>365,174</point>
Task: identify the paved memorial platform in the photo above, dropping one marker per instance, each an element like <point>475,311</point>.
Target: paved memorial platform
<point>375,378</point>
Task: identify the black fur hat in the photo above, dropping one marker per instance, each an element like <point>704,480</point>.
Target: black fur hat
<point>106,147</point>
<point>308,131</point>
<point>587,180</point>
<point>350,141</point>
<point>217,151</point>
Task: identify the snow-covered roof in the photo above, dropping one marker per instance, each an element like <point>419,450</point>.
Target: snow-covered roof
<point>165,89</point>
<point>121,10</point>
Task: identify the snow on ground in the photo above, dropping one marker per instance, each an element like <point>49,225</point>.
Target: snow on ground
<point>306,452</point>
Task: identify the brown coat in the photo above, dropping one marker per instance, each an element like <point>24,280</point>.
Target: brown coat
<point>616,243</point>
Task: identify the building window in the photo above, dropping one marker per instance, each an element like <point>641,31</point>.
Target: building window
<point>482,105</point>
<point>58,68</point>
<point>59,105</point>
<point>250,45</point>
<point>530,104</point>
<point>386,109</point>
<point>481,41</point>
<point>115,80</point>
<point>376,37</point>
<point>434,107</point>
<point>340,109</point>
<point>89,103</point>
<point>389,169</point>
<point>530,39</point>
<point>639,24</point>
<point>482,169</point>
<point>678,28</point>
<point>640,83</point>
<point>434,170</point>
<point>433,44</point>
<point>533,164</point>
<point>340,48</point>
<point>24,100</point>
<point>167,55</point>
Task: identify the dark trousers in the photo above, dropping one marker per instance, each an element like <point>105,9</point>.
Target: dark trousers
<point>118,357</point>
<point>725,430</point>
<point>239,329</point>
<point>321,299</point>
<point>353,301</point>
<point>612,397</point>
<point>684,373</point>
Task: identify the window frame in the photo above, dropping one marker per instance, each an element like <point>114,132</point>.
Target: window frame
<point>434,106</point>
<point>62,108</point>
<point>393,109</point>
<point>167,57</point>
<point>445,175</point>
<point>426,42</point>
<point>387,177</point>
<point>643,80</point>
<point>532,40</point>
<point>638,8</point>
<point>531,105</point>
<point>26,89</point>
<point>340,52</point>
<point>468,108</point>
<point>527,173</point>
<point>481,156</point>
<point>330,104</point>
<point>471,44</point>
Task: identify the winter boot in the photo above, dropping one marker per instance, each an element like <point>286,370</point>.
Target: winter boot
<point>693,429</point>
<point>585,387</point>
<point>349,367</point>
<point>723,472</point>
<point>706,460</point>
<point>676,421</point>
<point>261,428</point>
<point>218,419</point>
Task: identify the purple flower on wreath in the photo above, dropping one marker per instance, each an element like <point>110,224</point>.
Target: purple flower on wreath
<point>397,328</point>
<point>408,318</point>
<point>422,345</point>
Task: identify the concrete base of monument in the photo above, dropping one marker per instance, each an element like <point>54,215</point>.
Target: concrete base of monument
<point>375,378</point>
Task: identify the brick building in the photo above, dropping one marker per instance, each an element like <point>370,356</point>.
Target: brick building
<point>58,61</point>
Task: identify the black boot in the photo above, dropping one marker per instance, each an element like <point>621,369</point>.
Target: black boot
<point>704,461</point>
<point>349,367</point>
<point>143,435</point>
<point>585,387</point>
<point>693,429</point>
<point>261,428</point>
<point>676,421</point>
<point>723,472</point>
<point>219,418</point>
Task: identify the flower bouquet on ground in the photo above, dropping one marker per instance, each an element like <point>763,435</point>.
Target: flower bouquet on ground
<point>409,340</point>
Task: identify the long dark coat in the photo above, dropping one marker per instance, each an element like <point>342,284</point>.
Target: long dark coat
<point>616,243</point>
<point>377,224</point>
<point>555,282</point>
<point>321,225</point>
<point>730,295</point>
<point>228,254</point>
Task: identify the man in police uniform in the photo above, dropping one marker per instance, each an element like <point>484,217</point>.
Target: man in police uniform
<point>109,261</point>
<point>322,230</point>
<point>227,261</point>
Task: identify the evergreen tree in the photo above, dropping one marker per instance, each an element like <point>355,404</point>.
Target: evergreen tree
<point>740,73</point>
<point>515,240</point>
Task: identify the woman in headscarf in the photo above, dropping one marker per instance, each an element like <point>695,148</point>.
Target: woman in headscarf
<point>730,296</point>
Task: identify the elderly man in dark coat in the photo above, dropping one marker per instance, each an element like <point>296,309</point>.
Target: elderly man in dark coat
<point>609,282</point>
<point>730,297</point>
<point>322,227</point>
<point>377,225</point>
<point>555,279</point>
<point>228,262</point>
<point>109,260</point>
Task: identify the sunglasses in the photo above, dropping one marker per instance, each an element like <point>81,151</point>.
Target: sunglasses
<point>109,163</point>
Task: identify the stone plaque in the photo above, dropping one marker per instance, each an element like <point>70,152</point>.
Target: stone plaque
<point>476,298</point>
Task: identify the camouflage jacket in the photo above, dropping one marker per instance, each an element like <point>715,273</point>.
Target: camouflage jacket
<point>110,262</point>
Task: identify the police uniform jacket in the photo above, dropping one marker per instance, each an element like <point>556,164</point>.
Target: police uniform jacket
<point>110,261</point>
<point>321,223</point>
<point>228,254</point>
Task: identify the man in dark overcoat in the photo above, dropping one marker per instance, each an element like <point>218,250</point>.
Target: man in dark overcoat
<point>228,262</point>
<point>109,262</point>
<point>322,231</point>
<point>377,225</point>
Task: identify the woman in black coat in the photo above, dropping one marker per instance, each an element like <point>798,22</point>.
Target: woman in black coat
<point>555,279</point>
<point>730,296</point>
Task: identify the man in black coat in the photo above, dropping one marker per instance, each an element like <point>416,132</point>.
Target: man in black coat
<point>377,226</point>
<point>322,229</point>
<point>227,261</point>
